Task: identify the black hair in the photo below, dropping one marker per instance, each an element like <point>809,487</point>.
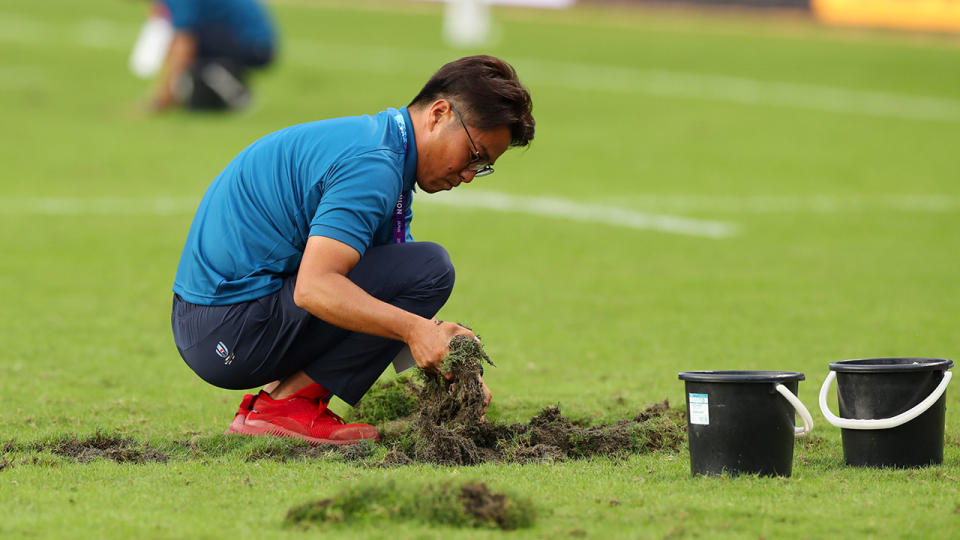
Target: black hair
<point>486,90</point>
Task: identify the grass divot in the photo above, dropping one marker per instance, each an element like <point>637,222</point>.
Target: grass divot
<point>447,427</point>
<point>101,445</point>
<point>115,447</point>
<point>470,504</point>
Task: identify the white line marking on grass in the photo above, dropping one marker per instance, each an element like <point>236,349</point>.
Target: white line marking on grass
<point>104,34</point>
<point>102,206</point>
<point>28,31</point>
<point>551,207</point>
<point>741,90</point>
<point>23,77</point>
<point>661,83</point>
<point>645,205</point>
<point>555,207</point>
<point>94,33</point>
<point>791,204</point>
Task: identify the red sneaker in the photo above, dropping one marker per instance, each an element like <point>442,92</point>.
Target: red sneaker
<point>303,415</point>
<point>242,413</point>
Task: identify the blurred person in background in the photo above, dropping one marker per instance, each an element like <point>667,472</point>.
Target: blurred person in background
<point>215,44</point>
<point>300,273</point>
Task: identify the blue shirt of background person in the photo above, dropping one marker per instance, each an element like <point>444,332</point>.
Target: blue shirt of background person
<point>339,178</point>
<point>215,44</point>
<point>247,20</point>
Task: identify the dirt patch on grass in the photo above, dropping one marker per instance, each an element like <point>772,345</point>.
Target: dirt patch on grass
<point>489,508</point>
<point>448,428</point>
<point>102,445</point>
<point>470,504</point>
<point>4,462</point>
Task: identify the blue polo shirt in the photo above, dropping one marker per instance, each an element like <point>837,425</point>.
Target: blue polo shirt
<point>247,20</point>
<point>339,178</point>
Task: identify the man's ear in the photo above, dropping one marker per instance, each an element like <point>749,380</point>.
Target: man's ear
<point>438,110</point>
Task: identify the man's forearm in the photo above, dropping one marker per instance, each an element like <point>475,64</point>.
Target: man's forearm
<point>182,53</point>
<point>339,301</point>
<point>324,290</point>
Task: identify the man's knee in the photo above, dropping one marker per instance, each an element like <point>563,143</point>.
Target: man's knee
<point>438,272</point>
<point>413,270</point>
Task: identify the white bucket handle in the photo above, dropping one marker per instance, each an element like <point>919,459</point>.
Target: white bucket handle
<point>800,408</point>
<point>881,423</point>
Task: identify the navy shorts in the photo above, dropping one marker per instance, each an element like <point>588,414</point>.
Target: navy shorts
<point>215,43</point>
<point>250,344</point>
<point>217,80</point>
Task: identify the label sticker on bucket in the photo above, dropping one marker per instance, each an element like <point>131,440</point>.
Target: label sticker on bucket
<point>699,409</point>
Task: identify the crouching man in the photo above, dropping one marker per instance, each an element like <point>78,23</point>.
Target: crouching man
<point>300,272</point>
<point>216,44</point>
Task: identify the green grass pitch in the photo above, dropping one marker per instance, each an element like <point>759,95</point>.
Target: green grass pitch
<point>830,154</point>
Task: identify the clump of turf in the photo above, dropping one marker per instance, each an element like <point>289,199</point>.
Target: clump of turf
<point>449,428</point>
<point>549,436</point>
<point>449,422</point>
<point>467,505</point>
<point>102,445</point>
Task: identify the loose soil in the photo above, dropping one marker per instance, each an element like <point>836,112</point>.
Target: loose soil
<point>448,427</point>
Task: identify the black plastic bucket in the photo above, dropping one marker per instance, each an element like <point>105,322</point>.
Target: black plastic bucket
<point>738,422</point>
<point>892,410</point>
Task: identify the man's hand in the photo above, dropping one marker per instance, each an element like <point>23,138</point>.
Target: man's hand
<point>487,397</point>
<point>162,101</point>
<point>429,342</point>
<point>324,290</point>
<point>180,56</point>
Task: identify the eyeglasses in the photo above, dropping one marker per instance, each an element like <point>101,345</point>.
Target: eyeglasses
<point>477,164</point>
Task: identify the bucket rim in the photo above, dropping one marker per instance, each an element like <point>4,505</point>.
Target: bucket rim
<point>891,365</point>
<point>741,376</point>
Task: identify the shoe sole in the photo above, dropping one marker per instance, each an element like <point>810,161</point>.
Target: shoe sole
<point>256,428</point>
<point>237,426</point>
